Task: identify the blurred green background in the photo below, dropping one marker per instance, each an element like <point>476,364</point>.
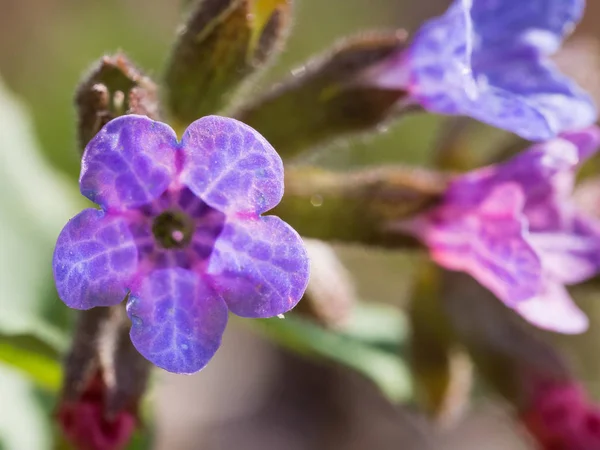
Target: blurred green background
<point>45,48</point>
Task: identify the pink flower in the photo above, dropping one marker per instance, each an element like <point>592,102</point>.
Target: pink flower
<point>516,230</point>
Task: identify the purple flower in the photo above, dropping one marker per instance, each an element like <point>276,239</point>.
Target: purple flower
<point>180,234</point>
<point>514,228</point>
<point>489,59</point>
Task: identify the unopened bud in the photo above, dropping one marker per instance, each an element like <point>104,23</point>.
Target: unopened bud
<point>222,43</point>
<point>104,380</point>
<point>113,87</point>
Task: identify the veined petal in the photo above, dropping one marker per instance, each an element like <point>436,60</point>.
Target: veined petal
<point>231,167</point>
<point>94,260</point>
<point>129,163</point>
<point>553,309</point>
<point>177,320</point>
<point>260,266</point>
<point>488,59</point>
<point>489,243</point>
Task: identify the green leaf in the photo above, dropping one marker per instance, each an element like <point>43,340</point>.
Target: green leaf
<point>35,205</point>
<point>32,358</point>
<point>378,324</point>
<point>383,367</point>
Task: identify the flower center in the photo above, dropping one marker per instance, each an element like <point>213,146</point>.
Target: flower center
<point>173,229</point>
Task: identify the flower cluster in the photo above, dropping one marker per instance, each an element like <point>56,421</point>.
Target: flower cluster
<point>511,226</point>
<point>179,233</point>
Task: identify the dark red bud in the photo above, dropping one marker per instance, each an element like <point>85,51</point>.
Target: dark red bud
<point>561,417</point>
<point>85,424</point>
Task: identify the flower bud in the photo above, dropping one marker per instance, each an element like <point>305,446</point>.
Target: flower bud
<point>222,43</point>
<point>104,380</point>
<point>113,87</point>
<point>85,423</point>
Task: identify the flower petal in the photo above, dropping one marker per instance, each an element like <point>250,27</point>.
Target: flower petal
<point>488,243</point>
<point>129,163</point>
<point>527,95</point>
<point>572,256</point>
<point>488,59</point>
<point>260,266</point>
<point>231,167</point>
<point>545,172</point>
<point>586,140</point>
<point>554,310</point>
<point>94,260</point>
<point>541,24</point>
<point>177,320</point>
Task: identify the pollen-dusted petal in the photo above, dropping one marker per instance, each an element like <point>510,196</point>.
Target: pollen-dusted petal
<point>489,243</point>
<point>129,163</point>
<point>231,167</point>
<point>554,309</point>
<point>94,260</point>
<point>177,320</point>
<point>260,266</point>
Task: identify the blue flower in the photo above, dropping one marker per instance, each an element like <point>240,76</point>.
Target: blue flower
<point>179,233</point>
<point>489,59</point>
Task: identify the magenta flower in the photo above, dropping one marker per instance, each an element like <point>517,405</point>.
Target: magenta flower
<point>489,59</point>
<point>561,416</point>
<point>514,228</point>
<point>179,233</point>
